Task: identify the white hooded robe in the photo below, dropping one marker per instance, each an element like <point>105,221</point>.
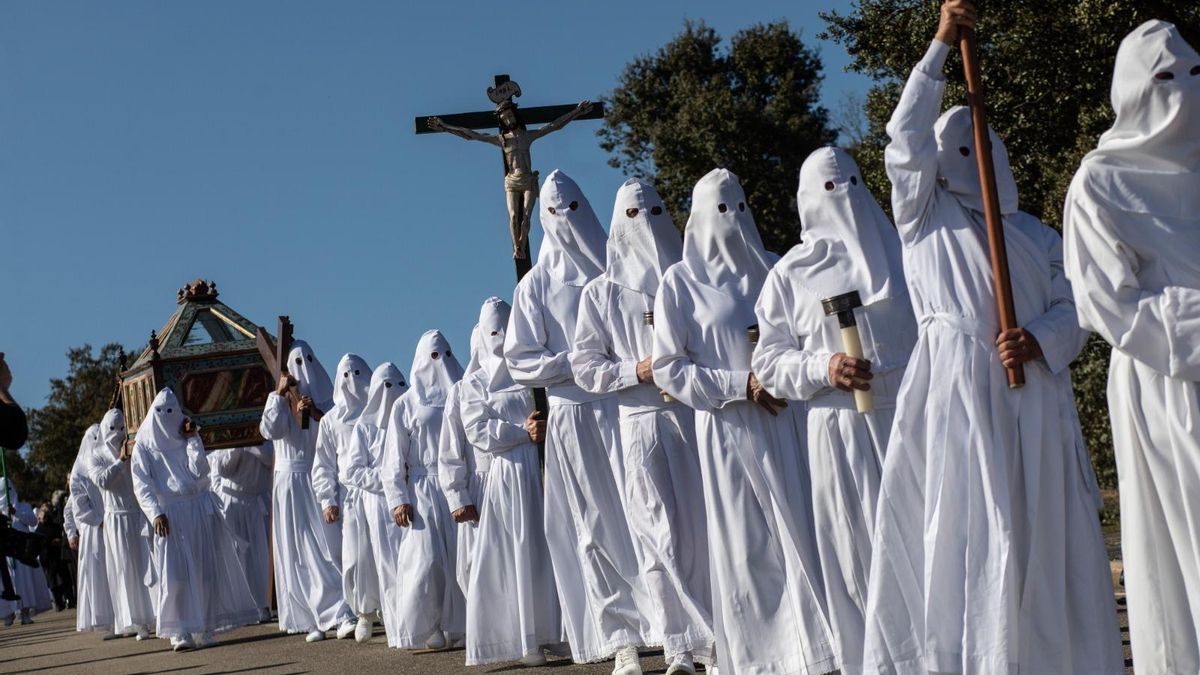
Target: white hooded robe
<point>595,565</point>
<point>1132,248</point>
<point>664,499</point>
<point>768,608</point>
<point>988,555</point>
<point>848,245</point>
<point>93,599</point>
<point>244,492</point>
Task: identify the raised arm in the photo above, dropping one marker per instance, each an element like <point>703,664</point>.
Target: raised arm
<point>276,418</point>
<point>596,368</point>
<point>143,484</point>
<point>437,124</point>
<point>563,121</point>
<point>783,361</point>
<point>1158,327</point>
<point>699,387</point>
<point>106,470</point>
<point>529,361</point>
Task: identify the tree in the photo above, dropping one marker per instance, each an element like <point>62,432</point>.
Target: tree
<point>74,404</point>
<point>751,108</point>
<point>1047,69</point>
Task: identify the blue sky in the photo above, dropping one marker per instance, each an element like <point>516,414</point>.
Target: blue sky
<point>269,146</point>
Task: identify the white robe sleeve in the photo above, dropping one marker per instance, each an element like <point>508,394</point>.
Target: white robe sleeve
<point>394,474</point>
<point>324,469</point>
<point>781,362</point>
<point>106,471</point>
<point>453,471</point>
<point>486,430</point>
<point>356,468</point>
<point>1057,330</point>
<point>911,154</point>
<point>227,462</point>
<point>69,520</point>
<point>276,418</point>
<point>198,461</point>
<point>596,368</point>
<point>1159,328</point>
<point>529,361</point>
<point>264,454</point>
<point>674,371</point>
<point>143,484</point>
<point>85,511</point>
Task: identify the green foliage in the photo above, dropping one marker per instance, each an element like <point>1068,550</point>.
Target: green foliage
<point>1047,68</point>
<point>751,107</point>
<point>75,403</point>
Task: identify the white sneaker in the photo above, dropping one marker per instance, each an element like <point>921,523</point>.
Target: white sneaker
<point>143,633</point>
<point>627,662</point>
<point>264,615</point>
<point>682,664</point>
<point>315,636</point>
<point>347,629</point>
<point>534,658</point>
<point>436,641</point>
<point>182,644</point>
<point>363,631</point>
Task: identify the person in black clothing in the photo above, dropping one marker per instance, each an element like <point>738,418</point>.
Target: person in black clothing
<point>13,428</point>
<point>53,560</point>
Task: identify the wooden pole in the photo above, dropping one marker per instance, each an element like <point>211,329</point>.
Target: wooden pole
<point>540,402</point>
<point>991,196</point>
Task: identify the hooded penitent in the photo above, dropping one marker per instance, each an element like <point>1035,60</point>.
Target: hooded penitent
<point>112,431</point>
<point>957,165</point>
<point>434,369</point>
<point>848,243</point>
<point>721,245</point>
<point>387,384</point>
<point>352,380</point>
<point>310,375</point>
<point>493,324</point>
<point>162,429</point>
<point>642,240</point>
<point>573,242</point>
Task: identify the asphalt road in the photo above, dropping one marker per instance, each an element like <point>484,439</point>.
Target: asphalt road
<point>51,645</point>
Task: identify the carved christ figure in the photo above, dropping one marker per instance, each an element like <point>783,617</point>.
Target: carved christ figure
<point>520,180</point>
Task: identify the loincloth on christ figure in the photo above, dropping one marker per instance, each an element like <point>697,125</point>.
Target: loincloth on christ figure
<point>521,181</point>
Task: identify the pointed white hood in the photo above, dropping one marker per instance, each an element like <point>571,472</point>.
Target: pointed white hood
<point>352,380</point>
<point>493,325</point>
<point>642,240</point>
<point>848,243</point>
<point>957,164</point>
<point>162,428</point>
<point>573,240</point>
<point>310,374</point>
<point>435,369</point>
<point>112,431</point>
<point>721,245</point>
<point>387,384</point>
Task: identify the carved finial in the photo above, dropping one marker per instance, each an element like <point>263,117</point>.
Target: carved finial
<point>502,94</point>
<point>154,344</point>
<point>198,290</point>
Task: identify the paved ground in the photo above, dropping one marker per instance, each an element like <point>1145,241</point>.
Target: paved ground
<point>52,646</point>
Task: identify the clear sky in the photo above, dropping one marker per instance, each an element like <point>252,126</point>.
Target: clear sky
<point>269,145</point>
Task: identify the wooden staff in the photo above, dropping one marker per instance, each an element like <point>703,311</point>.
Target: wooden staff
<point>991,196</point>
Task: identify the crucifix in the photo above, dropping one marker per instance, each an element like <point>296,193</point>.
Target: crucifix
<point>520,180</point>
<point>514,140</point>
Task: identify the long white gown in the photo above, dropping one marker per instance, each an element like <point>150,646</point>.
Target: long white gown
<point>361,469</point>
<point>594,560</point>
<point>360,581</point>
<point>244,493</point>
<point>1132,233</point>
<point>28,582</point>
<point>308,581</point>
<point>849,245</point>
<point>92,597</point>
<point>127,533</point>
<point>512,605</point>
<point>664,499</point>
<point>201,587</point>
<point>462,472</point>
<point>430,601</point>
<point>768,606</point>
<point>988,555</point>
